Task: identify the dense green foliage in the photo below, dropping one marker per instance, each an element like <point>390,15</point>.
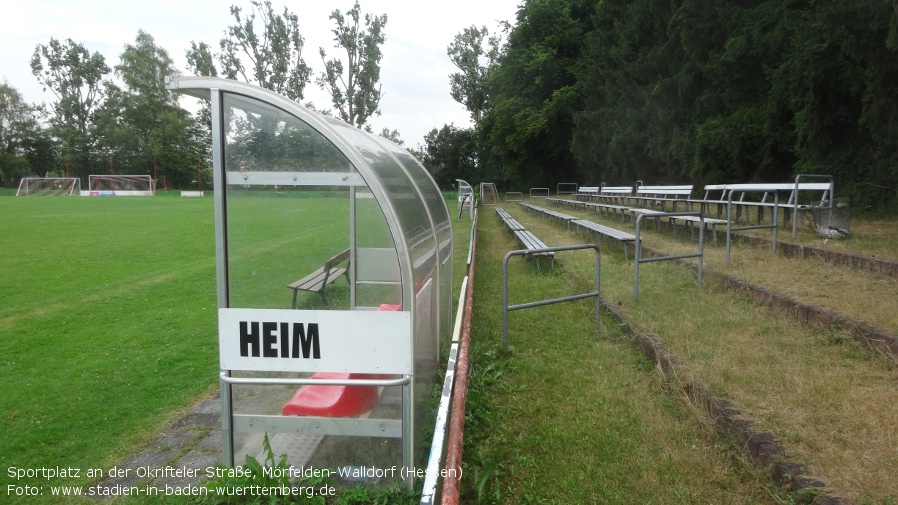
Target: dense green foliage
<point>697,91</point>
<point>713,92</point>
<point>141,125</point>
<point>21,142</point>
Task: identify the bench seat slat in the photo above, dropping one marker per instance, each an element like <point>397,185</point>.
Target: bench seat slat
<point>315,280</point>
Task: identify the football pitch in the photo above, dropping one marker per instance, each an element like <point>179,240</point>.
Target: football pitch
<point>108,322</point>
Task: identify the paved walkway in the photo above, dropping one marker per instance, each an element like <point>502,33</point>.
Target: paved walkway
<point>178,457</point>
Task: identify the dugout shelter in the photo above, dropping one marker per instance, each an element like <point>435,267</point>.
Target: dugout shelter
<point>341,382</point>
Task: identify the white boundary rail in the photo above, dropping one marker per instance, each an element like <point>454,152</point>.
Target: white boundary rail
<point>432,480</point>
<point>516,193</point>
<point>440,431</point>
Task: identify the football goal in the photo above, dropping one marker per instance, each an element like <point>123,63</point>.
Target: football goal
<point>122,185</point>
<point>49,186</point>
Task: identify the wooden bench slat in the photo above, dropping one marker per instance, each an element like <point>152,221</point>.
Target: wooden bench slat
<point>315,280</point>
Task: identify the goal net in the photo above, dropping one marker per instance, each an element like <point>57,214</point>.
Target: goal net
<point>49,186</point>
<point>122,185</point>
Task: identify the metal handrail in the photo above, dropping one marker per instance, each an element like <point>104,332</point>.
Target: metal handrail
<point>831,196</point>
<point>293,381</point>
<point>639,259</point>
<point>506,308</point>
<point>730,229</point>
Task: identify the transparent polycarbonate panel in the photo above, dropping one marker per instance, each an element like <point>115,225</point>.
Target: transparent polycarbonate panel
<point>430,192</point>
<point>318,443</point>
<point>400,191</point>
<point>378,280</point>
<point>464,188</point>
<point>439,213</point>
<point>412,195</point>
<point>277,237</point>
<point>444,236</point>
<point>283,223</point>
<point>262,138</point>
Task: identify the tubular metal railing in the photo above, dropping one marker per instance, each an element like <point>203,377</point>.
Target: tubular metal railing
<point>506,308</point>
<point>639,259</point>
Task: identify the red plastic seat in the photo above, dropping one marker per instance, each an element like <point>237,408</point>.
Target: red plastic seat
<point>337,401</point>
<point>333,401</point>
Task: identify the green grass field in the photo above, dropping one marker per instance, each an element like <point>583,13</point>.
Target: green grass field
<point>107,325</point>
<point>108,332</point>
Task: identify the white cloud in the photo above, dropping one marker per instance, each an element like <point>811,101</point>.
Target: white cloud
<point>414,73</point>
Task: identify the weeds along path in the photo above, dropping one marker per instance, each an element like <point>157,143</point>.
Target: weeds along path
<point>831,401</point>
<point>568,416</point>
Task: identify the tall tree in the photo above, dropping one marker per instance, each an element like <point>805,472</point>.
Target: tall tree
<point>76,78</point>
<point>143,126</point>
<point>273,45</point>
<point>23,145</point>
<point>711,91</point>
<point>473,52</point>
<point>534,92</point>
<point>200,60</point>
<point>356,95</point>
<point>392,135</point>
<point>451,153</point>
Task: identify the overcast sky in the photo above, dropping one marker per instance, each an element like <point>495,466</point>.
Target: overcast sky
<point>414,71</point>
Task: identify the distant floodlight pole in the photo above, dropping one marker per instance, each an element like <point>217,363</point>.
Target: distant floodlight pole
<point>199,174</point>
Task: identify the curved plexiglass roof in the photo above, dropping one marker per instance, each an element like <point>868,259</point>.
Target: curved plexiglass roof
<point>412,204</point>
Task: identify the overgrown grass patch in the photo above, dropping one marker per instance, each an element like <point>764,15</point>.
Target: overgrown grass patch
<point>832,403</point>
<point>575,416</point>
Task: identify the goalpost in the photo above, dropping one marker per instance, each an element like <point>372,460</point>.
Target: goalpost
<point>121,185</point>
<point>49,186</point>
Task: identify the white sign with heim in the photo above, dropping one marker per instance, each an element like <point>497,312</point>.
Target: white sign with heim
<point>276,340</point>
